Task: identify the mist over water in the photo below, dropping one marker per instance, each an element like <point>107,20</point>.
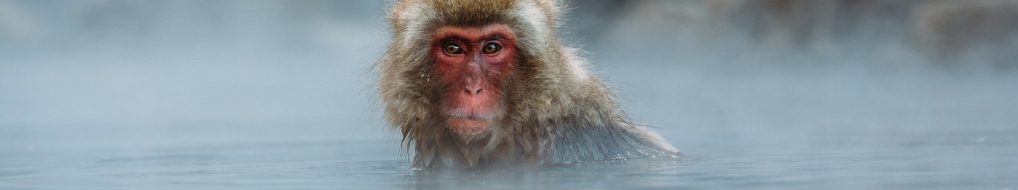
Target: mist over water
<point>110,94</point>
<point>165,67</point>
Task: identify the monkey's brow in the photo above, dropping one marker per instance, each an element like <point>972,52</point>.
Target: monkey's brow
<point>457,38</point>
<point>495,37</point>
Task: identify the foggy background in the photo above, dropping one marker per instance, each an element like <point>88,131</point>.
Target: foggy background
<point>124,76</point>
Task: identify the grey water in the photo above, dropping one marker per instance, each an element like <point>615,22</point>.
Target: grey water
<point>111,94</point>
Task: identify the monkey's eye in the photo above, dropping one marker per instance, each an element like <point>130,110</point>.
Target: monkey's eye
<point>491,48</point>
<point>452,48</point>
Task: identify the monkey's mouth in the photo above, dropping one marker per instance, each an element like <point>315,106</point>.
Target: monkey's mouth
<point>468,124</point>
<point>471,114</point>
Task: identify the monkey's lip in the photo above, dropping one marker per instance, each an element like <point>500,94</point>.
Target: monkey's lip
<point>470,122</point>
<point>462,114</point>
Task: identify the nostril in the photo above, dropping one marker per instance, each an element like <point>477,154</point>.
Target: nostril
<point>473,91</point>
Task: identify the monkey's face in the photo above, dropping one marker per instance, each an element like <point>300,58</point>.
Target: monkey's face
<point>472,64</point>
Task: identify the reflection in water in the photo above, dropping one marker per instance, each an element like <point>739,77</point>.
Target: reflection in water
<point>634,173</point>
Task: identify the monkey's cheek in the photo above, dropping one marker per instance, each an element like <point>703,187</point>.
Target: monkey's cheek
<point>469,127</point>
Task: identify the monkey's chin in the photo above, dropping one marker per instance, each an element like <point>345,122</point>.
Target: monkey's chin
<point>470,128</point>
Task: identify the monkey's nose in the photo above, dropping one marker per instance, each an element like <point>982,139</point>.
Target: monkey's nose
<point>473,80</point>
<point>473,89</point>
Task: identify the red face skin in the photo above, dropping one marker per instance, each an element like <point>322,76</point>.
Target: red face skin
<point>472,62</point>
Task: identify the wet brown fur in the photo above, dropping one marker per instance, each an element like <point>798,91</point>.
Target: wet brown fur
<point>555,113</point>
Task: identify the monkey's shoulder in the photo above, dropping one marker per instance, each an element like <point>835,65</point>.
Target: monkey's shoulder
<point>611,141</point>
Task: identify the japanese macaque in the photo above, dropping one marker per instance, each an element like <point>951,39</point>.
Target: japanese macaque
<point>478,84</point>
